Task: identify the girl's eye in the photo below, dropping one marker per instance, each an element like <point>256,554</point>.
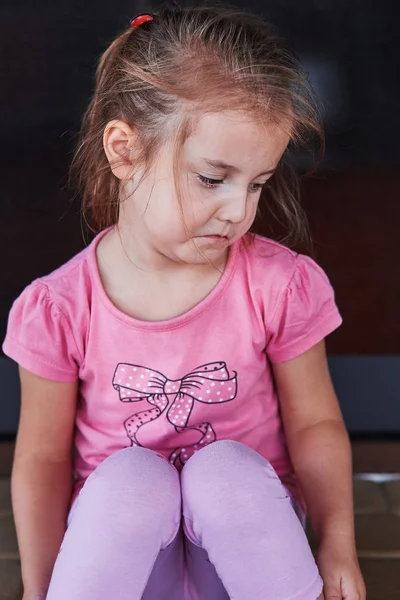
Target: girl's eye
<point>256,187</point>
<point>210,182</point>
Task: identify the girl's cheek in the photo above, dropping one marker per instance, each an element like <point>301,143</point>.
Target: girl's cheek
<point>196,210</point>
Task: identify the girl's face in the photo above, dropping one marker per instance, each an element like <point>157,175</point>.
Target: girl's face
<point>225,163</point>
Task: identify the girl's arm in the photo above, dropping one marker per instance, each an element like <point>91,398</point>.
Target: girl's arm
<point>318,442</point>
<point>321,455</point>
<point>42,476</point>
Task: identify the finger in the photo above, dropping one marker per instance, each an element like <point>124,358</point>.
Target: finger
<point>353,590</point>
<point>332,591</point>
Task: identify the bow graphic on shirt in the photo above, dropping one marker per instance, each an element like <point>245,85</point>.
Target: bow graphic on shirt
<point>209,384</point>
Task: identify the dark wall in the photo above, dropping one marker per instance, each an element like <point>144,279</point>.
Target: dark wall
<point>351,50</point>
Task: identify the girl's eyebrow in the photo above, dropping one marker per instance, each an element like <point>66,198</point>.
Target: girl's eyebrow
<point>219,164</point>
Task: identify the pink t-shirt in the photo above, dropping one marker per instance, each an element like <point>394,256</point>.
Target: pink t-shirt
<point>175,386</point>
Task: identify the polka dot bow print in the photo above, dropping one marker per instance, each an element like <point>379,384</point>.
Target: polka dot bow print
<point>208,384</point>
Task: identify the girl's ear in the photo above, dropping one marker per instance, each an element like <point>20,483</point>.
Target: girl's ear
<point>118,142</point>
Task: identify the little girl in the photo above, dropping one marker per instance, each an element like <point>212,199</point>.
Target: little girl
<point>181,356</point>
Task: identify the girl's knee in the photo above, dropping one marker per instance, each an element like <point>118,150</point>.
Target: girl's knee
<point>227,463</point>
<point>229,480</point>
<point>135,473</point>
<point>223,453</point>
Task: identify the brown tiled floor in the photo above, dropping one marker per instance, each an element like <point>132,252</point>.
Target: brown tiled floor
<point>377,519</point>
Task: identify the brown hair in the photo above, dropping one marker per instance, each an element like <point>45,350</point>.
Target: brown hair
<point>184,62</point>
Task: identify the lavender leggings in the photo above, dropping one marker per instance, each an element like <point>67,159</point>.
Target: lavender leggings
<point>226,528</point>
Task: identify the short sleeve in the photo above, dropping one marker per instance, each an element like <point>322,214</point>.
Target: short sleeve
<point>39,337</point>
<point>305,315</point>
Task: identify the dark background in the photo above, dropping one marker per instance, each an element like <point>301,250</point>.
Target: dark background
<point>351,50</point>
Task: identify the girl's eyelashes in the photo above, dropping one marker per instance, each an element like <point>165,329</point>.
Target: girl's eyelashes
<point>213,183</point>
<point>209,182</point>
<point>256,187</point>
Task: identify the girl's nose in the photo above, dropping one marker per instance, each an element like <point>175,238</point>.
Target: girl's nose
<point>234,208</point>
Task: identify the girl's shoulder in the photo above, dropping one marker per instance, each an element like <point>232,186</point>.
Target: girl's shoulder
<point>48,322</point>
<point>71,282</point>
<point>71,285</point>
<point>264,248</point>
<point>271,264</point>
<point>296,297</point>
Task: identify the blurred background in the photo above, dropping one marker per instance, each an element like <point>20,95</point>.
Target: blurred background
<point>351,50</point>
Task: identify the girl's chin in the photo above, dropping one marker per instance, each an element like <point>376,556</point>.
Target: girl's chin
<point>210,255</point>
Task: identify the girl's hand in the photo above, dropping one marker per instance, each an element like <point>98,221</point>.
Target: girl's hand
<point>340,572</point>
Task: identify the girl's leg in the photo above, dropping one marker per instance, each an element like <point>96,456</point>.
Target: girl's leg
<point>237,510</point>
<point>202,581</point>
<point>127,512</point>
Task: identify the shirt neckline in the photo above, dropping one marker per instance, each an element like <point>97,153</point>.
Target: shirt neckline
<point>164,325</point>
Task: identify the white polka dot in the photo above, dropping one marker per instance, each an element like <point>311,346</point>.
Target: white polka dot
<point>122,370</point>
<point>229,389</point>
<point>201,441</point>
<point>173,455</point>
<point>218,393</point>
<point>128,385</point>
<point>147,370</point>
<point>221,399</point>
<point>142,377</point>
<point>180,412</point>
<point>130,376</point>
<point>134,369</point>
<point>213,384</point>
<point>232,397</point>
<point>208,391</point>
<point>185,456</point>
<point>201,380</point>
<point>183,449</point>
<point>222,382</point>
<point>200,398</point>
<point>144,389</point>
<point>137,385</point>
<point>210,400</point>
<point>119,381</point>
<point>211,376</point>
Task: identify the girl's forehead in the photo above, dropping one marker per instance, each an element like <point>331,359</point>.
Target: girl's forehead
<point>233,138</point>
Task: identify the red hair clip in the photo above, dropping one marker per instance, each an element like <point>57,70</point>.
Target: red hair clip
<point>140,19</point>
